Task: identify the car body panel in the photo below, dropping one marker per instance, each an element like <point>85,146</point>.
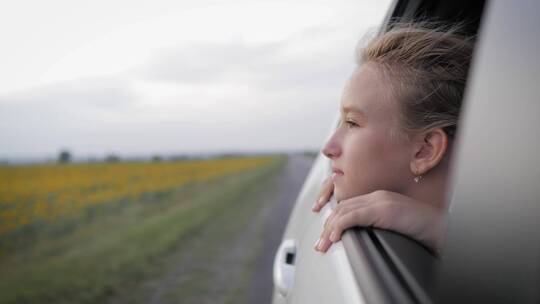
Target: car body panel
<point>304,227</point>
<point>493,249</point>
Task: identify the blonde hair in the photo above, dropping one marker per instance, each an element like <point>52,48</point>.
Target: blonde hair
<point>426,65</point>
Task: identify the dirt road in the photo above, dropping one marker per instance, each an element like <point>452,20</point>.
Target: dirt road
<point>280,206</point>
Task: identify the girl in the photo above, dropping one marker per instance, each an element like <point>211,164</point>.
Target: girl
<point>391,151</point>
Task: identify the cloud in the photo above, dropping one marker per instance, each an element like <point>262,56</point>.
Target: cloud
<point>42,120</point>
<point>220,96</point>
<point>204,62</point>
<point>306,60</point>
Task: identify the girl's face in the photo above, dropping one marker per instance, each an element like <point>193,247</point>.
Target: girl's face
<point>365,155</point>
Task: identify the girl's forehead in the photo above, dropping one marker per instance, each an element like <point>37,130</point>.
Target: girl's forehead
<point>367,92</point>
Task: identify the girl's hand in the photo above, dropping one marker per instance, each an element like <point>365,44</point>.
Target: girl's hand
<point>387,210</point>
<point>327,190</point>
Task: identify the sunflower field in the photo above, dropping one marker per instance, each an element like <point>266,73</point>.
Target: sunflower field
<point>47,193</point>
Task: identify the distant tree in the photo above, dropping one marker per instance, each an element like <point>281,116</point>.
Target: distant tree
<point>180,158</point>
<point>156,158</point>
<point>64,157</point>
<point>111,158</point>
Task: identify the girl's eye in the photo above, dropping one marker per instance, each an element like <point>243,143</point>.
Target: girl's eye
<point>351,124</point>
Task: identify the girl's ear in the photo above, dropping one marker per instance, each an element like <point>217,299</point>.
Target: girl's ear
<point>429,149</point>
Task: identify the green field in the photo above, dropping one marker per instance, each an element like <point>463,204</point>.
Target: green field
<point>119,245</point>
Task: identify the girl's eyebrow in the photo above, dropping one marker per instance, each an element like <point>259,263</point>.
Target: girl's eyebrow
<point>350,108</point>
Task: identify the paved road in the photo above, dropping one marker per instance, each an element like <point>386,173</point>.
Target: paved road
<point>281,202</point>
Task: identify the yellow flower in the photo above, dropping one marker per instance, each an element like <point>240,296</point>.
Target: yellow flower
<point>32,193</point>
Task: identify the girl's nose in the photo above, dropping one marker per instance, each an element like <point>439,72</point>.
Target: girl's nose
<point>332,148</point>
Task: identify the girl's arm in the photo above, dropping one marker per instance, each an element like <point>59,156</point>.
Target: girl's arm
<point>381,209</point>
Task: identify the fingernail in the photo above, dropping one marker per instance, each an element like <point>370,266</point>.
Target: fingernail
<point>317,244</point>
<point>320,201</point>
<point>333,236</point>
<point>323,245</point>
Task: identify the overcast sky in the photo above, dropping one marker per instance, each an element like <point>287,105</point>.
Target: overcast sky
<point>172,77</point>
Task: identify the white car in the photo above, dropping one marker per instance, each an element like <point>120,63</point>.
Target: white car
<point>492,249</point>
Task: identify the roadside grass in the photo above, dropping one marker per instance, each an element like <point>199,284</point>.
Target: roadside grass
<point>222,267</point>
<point>119,246</point>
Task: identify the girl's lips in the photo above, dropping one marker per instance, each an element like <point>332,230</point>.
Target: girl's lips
<point>336,173</point>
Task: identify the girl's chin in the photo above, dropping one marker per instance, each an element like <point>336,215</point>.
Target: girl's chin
<point>338,195</point>
<point>341,194</point>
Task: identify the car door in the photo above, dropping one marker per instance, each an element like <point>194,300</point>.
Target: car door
<point>295,258</point>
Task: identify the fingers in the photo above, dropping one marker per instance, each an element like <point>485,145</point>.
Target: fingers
<point>387,210</point>
<point>335,229</point>
<point>324,196</point>
<point>359,217</point>
<point>343,217</point>
<point>324,242</point>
